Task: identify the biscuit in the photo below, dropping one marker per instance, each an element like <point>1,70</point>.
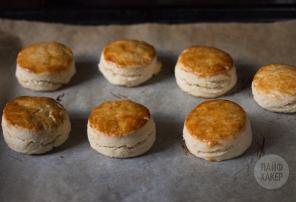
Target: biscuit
<point>45,66</point>
<point>217,130</point>
<point>274,88</point>
<point>34,125</point>
<point>205,72</point>
<point>121,129</point>
<point>129,62</point>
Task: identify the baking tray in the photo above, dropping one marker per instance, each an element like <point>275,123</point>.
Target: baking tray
<point>75,172</point>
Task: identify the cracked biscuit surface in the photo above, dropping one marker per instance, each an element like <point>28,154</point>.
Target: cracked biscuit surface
<point>205,61</point>
<point>34,113</point>
<point>215,120</point>
<point>43,57</point>
<point>119,117</point>
<point>129,62</point>
<point>129,53</point>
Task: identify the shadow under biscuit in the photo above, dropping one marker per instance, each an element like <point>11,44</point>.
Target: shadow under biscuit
<point>168,62</point>
<point>78,134</point>
<point>86,69</point>
<point>260,142</point>
<point>245,73</point>
<point>9,47</point>
<point>168,133</point>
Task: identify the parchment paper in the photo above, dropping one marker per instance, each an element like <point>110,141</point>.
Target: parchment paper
<point>75,172</point>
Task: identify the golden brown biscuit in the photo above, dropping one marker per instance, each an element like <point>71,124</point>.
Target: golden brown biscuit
<point>217,130</point>
<point>129,53</point>
<point>43,57</point>
<point>45,66</point>
<point>215,120</point>
<point>205,61</point>
<point>205,72</point>
<point>118,117</point>
<point>276,77</point>
<point>34,113</point>
<point>34,125</point>
<point>129,62</point>
<point>274,88</point>
<point>121,129</point>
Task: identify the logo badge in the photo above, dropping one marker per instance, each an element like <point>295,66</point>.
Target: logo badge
<point>271,171</point>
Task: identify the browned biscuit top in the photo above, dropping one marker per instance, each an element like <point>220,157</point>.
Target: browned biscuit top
<point>205,61</point>
<point>118,117</point>
<point>215,120</point>
<point>129,53</point>
<point>34,113</point>
<point>276,78</point>
<point>50,57</point>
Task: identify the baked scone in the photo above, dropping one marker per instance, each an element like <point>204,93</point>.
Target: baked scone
<point>121,129</point>
<point>274,88</point>
<point>44,66</point>
<point>34,125</point>
<point>129,62</point>
<point>205,72</point>
<point>217,130</point>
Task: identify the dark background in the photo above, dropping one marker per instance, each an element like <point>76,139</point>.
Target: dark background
<point>137,11</point>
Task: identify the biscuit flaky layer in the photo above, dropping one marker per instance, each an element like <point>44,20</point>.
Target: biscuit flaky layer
<point>137,143</point>
<point>46,57</point>
<point>276,79</point>
<point>129,53</point>
<point>215,120</point>
<point>34,113</point>
<point>118,117</point>
<point>205,61</point>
